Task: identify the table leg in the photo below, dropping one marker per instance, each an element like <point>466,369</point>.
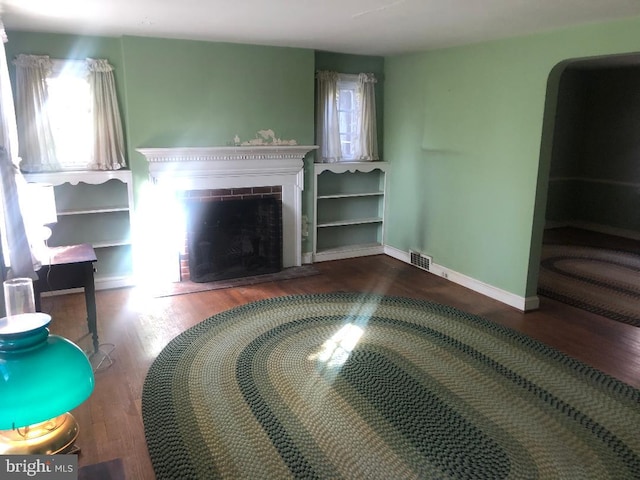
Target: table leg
<point>37,297</point>
<point>90,299</point>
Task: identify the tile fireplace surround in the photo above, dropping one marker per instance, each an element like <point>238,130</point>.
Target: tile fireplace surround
<point>186,169</point>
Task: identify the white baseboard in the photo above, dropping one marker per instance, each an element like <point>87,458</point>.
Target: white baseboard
<point>348,252</point>
<point>523,304</point>
<point>397,254</point>
<point>105,283</point>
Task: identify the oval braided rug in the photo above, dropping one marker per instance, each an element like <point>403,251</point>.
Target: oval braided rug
<point>599,280</point>
<point>365,386</point>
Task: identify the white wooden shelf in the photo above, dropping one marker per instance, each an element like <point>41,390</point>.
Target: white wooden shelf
<point>349,209</point>
<point>95,207</point>
<point>108,244</point>
<point>357,221</point>
<point>351,195</point>
<point>74,177</point>
<point>93,211</point>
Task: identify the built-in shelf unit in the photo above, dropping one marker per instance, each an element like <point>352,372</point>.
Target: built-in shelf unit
<point>349,209</point>
<point>95,207</point>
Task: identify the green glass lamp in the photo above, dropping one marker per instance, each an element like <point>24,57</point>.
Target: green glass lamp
<point>42,377</point>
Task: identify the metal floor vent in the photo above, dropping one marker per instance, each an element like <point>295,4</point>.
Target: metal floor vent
<point>420,260</point>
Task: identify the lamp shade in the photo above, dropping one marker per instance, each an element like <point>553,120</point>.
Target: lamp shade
<point>42,203</point>
<point>41,375</point>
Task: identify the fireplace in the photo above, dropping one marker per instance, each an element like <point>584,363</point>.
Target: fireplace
<point>280,168</point>
<point>233,238</point>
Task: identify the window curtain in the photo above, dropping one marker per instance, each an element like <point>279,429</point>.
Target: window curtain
<point>37,147</point>
<point>108,142</point>
<point>15,245</point>
<point>327,121</point>
<point>8,126</point>
<point>367,146</point>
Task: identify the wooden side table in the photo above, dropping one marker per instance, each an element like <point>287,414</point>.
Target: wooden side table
<point>71,267</point>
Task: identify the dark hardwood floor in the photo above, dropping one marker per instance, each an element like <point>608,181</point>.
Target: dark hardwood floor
<point>139,327</point>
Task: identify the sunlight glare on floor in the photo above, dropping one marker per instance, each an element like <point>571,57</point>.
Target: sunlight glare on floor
<point>336,350</point>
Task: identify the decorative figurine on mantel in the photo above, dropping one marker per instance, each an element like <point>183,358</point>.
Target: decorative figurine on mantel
<point>265,138</point>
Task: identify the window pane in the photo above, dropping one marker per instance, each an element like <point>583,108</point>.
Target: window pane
<point>71,121</point>
<point>345,100</point>
<point>348,118</point>
<point>345,122</point>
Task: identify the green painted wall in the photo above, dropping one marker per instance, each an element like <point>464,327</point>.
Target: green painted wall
<point>189,93</point>
<point>470,157</point>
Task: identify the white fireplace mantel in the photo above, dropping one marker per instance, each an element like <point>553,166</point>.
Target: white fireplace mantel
<point>185,165</point>
<point>199,168</point>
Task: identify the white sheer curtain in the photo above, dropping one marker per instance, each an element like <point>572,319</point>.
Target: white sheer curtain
<point>367,146</point>
<point>37,147</point>
<point>360,134</point>
<point>327,120</point>
<point>108,141</point>
<point>15,245</point>
<point>8,126</point>
<point>37,141</point>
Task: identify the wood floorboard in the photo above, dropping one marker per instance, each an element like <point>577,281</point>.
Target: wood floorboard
<point>139,327</point>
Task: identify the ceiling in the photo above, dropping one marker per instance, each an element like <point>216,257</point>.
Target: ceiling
<point>369,27</point>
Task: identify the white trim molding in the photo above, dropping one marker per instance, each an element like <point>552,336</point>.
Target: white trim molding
<point>523,304</point>
<point>74,177</point>
<point>200,168</point>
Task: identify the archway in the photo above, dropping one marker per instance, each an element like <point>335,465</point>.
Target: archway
<point>555,179</point>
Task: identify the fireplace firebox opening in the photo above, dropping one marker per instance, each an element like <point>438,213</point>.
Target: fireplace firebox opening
<point>233,238</point>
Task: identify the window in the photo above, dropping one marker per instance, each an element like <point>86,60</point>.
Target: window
<point>348,116</point>
<point>69,108</point>
<point>67,114</point>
